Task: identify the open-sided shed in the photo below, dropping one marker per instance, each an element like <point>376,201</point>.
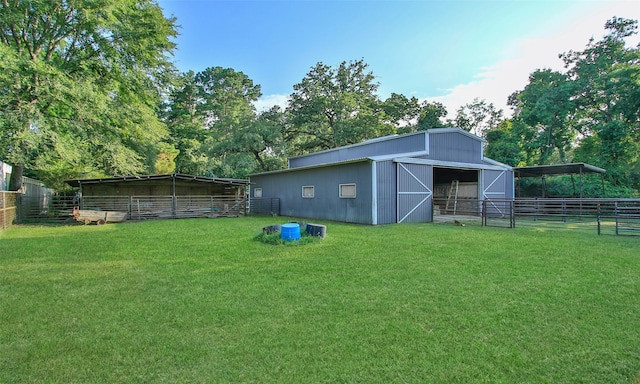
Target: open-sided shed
<point>392,179</point>
<point>159,185</point>
<point>164,195</point>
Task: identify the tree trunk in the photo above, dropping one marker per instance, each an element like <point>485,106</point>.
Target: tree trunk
<point>263,166</point>
<point>15,183</point>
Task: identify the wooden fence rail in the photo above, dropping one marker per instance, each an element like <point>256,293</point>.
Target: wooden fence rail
<point>8,209</point>
<point>60,208</point>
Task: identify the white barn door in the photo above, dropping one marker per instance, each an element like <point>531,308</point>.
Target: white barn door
<point>414,193</point>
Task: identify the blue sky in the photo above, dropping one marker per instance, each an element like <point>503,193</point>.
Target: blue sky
<point>447,51</point>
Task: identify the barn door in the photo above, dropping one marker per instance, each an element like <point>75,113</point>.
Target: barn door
<point>494,188</point>
<point>414,189</point>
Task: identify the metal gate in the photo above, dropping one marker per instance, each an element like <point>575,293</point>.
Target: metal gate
<point>495,187</point>
<point>414,189</point>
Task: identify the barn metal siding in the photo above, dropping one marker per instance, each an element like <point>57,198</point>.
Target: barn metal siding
<point>511,188</point>
<point>415,193</point>
<point>399,144</point>
<point>455,146</point>
<point>496,185</point>
<point>386,192</point>
<point>326,203</point>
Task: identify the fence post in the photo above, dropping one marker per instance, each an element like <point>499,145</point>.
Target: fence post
<point>598,217</point>
<point>615,212</point>
<point>484,213</point>
<point>174,205</point>
<point>2,209</point>
<point>512,214</point>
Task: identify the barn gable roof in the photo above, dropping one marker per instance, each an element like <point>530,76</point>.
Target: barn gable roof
<point>416,144</point>
<point>411,147</point>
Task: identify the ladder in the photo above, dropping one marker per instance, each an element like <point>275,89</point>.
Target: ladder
<point>453,192</point>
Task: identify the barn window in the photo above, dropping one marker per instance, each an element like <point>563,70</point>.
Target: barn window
<point>347,191</point>
<point>257,192</point>
<point>308,191</point>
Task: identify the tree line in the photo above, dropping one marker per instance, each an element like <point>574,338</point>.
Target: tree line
<point>88,89</point>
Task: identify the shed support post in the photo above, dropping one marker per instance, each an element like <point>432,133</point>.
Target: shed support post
<point>2,208</point>
<point>512,214</point>
<point>174,202</point>
<point>581,182</point>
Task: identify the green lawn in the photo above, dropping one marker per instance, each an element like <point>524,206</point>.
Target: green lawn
<point>199,301</point>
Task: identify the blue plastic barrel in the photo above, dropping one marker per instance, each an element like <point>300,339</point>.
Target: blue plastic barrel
<point>290,232</point>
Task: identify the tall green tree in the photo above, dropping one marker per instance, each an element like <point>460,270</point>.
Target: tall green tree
<point>401,111</point>
<point>80,84</point>
<point>432,115</point>
<point>210,115</point>
<point>545,107</point>
<point>187,130</point>
<point>505,145</point>
<point>606,75</point>
<point>332,107</point>
<point>226,98</point>
<point>258,144</point>
<point>478,117</point>
<point>411,115</point>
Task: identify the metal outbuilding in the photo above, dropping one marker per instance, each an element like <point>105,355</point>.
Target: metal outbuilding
<point>392,179</point>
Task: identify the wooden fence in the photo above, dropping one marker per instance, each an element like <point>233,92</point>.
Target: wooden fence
<point>59,208</point>
<point>8,209</point>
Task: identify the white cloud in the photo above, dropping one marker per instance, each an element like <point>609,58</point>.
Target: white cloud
<point>495,83</point>
<point>266,102</point>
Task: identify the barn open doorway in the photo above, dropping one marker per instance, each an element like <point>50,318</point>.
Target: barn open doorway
<point>455,191</point>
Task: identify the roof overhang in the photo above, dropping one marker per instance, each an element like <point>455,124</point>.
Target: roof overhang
<point>324,165</point>
<point>493,165</point>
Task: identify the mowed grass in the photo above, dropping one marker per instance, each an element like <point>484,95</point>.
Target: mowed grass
<point>199,301</point>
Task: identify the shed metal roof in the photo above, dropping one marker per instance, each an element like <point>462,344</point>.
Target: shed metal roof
<point>557,169</point>
<point>175,176</point>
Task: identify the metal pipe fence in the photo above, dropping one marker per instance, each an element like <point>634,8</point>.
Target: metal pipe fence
<point>265,206</point>
<point>603,216</point>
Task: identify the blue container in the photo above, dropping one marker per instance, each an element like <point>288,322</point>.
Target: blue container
<point>290,232</point>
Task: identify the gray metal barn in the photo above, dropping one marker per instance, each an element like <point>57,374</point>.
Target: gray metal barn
<point>391,179</point>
